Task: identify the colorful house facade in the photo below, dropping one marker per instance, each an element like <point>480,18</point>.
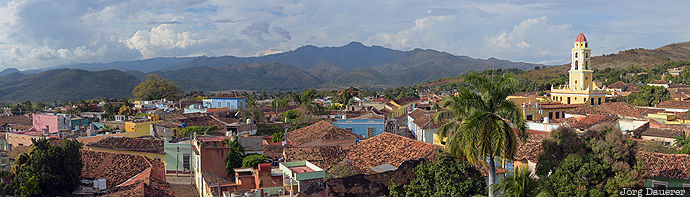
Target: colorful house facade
<point>362,127</point>
<point>52,123</point>
<point>225,102</point>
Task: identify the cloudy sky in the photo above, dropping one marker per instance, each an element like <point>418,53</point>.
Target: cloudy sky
<point>42,33</point>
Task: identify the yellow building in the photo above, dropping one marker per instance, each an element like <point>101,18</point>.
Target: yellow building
<point>140,128</point>
<point>580,88</point>
<point>439,141</point>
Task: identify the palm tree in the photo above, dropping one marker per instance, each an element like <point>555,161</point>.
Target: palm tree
<point>520,184</point>
<point>681,139</point>
<point>482,124</point>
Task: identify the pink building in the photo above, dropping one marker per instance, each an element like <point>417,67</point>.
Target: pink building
<point>52,123</point>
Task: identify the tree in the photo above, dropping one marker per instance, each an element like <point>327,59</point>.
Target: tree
<point>253,160</point>
<point>235,155</point>
<point>291,115</point>
<point>649,96</point>
<point>126,110</point>
<point>277,136</point>
<point>155,87</point>
<point>309,95</point>
<point>519,184</point>
<point>608,165</point>
<point>482,124</point>
<point>563,142</point>
<point>445,176</point>
<point>578,175</point>
<point>47,169</point>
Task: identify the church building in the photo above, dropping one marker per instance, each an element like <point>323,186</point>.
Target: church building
<point>580,89</point>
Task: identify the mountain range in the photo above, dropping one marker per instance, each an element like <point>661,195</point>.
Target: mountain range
<point>309,66</point>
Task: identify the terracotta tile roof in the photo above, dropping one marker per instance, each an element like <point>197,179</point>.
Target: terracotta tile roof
<point>130,144</point>
<point>319,131</point>
<point>386,148</point>
<point>150,188</point>
<point>665,133</point>
<point>272,150</point>
<point>167,124</point>
<point>618,85</point>
<point>17,150</point>
<point>116,168</point>
<point>425,119</point>
<point>213,179</point>
<point>529,149</point>
<point>667,165</point>
<point>618,108</point>
<point>588,121</point>
<point>632,88</point>
<point>405,101</point>
<point>203,121</point>
<point>674,104</point>
<point>322,156</point>
<point>16,120</point>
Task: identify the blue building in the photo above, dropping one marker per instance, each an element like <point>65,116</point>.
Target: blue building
<point>362,127</point>
<point>231,103</point>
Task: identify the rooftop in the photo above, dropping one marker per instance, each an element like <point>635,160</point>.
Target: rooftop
<point>322,156</point>
<point>320,131</point>
<point>618,85</point>
<point>674,104</point>
<point>581,38</point>
<point>130,144</point>
<point>16,119</point>
<point>667,165</point>
<point>386,148</point>
<point>424,119</point>
<point>116,168</point>
<point>621,109</point>
<point>529,149</point>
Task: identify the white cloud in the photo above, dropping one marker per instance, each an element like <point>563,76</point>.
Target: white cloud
<point>41,33</point>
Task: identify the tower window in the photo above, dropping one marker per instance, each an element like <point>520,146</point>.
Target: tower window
<point>576,64</point>
<point>575,54</point>
<point>586,55</point>
<point>586,45</point>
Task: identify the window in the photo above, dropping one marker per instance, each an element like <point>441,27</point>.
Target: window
<point>576,63</point>
<point>563,114</point>
<point>529,117</point>
<point>558,115</point>
<point>185,162</point>
<point>550,115</point>
<point>592,101</point>
<point>219,104</point>
<point>585,45</point>
<point>370,131</point>
<point>575,54</point>
<point>599,101</point>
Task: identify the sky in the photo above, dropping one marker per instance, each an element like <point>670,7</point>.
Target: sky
<point>43,33</point>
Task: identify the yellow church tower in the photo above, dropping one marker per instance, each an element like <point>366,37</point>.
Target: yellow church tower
<point>580,88</point>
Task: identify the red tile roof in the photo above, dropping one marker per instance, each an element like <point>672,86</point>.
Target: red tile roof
<point>581,38</point>
<point>322,156</point>
<point>618,85</point>
<point>405,101</point>
<point>588,121</point>
<point>674,104</point>
<point>116,168</point>
<point>667,165</point>
<point>320,131</point>
<point>529,149</point>
<point>17,150</point>
<point>621,109</point>
<point>130,144</point>
<point>424,119</point>
<point>203,121</point>
<point>149,188</point>
<point>386,148</point>
<point>16,120</point>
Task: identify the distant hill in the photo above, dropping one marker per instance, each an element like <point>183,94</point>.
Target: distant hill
<point>643,58</point>
<point>271,76</point>
<point>309,66</point>
<point>9,71</point>
<point>62,84</point>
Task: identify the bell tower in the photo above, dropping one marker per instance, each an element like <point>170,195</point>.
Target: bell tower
<point>580,71</point>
